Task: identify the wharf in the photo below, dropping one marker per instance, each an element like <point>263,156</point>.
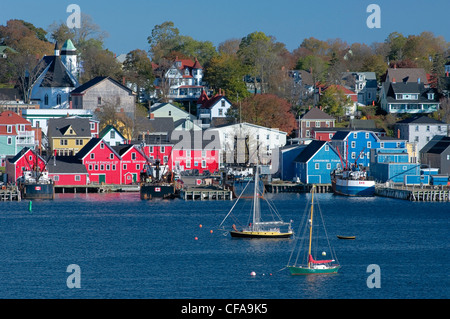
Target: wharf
<point>95,188</point>
<point>296,188</point>
<point>10,193</point>
<point>415,194</point>
<point>206,193</point>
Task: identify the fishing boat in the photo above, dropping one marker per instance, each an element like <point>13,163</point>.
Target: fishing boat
<point>36,185</point>
<point>156,185</point>
<point>259,228</point>
<point>310,265</point>
<point>352,180</point>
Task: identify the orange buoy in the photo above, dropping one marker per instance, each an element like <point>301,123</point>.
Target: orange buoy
<point>211,231</point>
<point>200,225</point>
<point>196,238</point>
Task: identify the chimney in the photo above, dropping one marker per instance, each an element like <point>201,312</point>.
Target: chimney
<point>393,80</point>
<point>446,73</point>
<point>152,116</point>
<point>398,133</point>
<point>123,80</point>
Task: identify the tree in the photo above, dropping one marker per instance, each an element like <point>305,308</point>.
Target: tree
<point>227,72</point>
<point>164,38</point>
<point>315,65</point>
<point>99,62</point>
<point>267,110</point>
<point>203,51</point>
<point>334,101</point>
<point>138,69</point>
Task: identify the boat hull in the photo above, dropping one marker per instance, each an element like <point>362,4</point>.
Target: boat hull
<point>362,188</point>
<point>346,237</point>
<point>259,234</point>
<point>149,191</point>
<point>299,271</point>
<point>38,191</point>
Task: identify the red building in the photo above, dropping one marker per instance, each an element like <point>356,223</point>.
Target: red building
<point>132,161</point>
<point>102,162</point>
<point>67,171</point>
<point>25,160</point>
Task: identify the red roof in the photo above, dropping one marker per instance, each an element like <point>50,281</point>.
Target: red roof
<point>9,117</point>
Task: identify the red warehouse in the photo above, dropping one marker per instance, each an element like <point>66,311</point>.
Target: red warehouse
<point>101,161</point>
<point>68,171</point>
<point>25,160</point>
<point>133,161</point>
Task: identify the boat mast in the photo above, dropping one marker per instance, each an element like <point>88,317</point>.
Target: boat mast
<point>311,225</point>
<point>256,211</point>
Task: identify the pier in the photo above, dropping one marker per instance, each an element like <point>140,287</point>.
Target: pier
<point>10,193</point>
<point>198,193</point>
<point>296,188</point>
<point>95,188</point>
<point>415,194</point>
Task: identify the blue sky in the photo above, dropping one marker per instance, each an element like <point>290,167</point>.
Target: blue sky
<point>129,23</point>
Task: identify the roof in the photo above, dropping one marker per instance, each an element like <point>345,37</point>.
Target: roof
<point>58,127</point>
<point>66,165</point>
<point>316,114</point>
<point>107,129</point>
<point>68,46</point>
<point>90,146</point>
<point>340,135</point>
<point>210,102</point>
<point>420,119</point>
<point>410,88</point>
<point>156,125</point>
<point>406,75</point>
<point>57,75</point>
<point>123,149</point>
<point>309,151</point>
<point>21,153</point>
<point>9,117</point>
<point>93,82</point>
<point>442,139</point>
<point>362,124</point>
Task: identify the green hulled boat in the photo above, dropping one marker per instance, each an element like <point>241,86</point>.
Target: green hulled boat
<point>312,266</point>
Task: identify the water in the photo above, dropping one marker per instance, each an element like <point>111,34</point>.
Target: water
<point>128,248</point>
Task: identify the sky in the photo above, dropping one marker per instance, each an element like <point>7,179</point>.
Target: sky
<point>129,23</point>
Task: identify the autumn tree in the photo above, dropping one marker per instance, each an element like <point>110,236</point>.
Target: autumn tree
<point>267,110</point>
<point>226,72</point>
<point>334,101</point>
<point>138,69</point>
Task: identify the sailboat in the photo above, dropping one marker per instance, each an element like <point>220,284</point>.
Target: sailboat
<point>259,228</point>
<point>310,265</point>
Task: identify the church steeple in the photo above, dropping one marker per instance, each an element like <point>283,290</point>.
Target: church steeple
<point>69,57</point>
<point>56,49</point>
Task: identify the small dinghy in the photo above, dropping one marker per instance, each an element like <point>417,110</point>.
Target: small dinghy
<point>346,237</point>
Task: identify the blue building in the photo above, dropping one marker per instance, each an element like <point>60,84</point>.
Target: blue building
<point>288,154</point>
<point>355,146</point>
<point>393,165</point>
<point>315,163</point>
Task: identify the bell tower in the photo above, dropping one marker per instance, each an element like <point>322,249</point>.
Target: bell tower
<point>69,57</point>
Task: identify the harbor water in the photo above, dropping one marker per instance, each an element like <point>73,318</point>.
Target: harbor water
<point>129,248</point>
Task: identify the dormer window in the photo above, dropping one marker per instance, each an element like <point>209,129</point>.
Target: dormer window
<point>178,64</point>
<point>186,72</point>
<point>430,96</point>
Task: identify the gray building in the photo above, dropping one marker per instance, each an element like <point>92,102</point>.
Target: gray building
<point>101,92</point>
<point>436,154</point>
<point>420,129</point>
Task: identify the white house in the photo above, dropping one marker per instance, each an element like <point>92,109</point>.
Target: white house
<point>246,139</point>
<point>112,136</point>
<point>182,120</point>
<point>57,78</point>
<point>210,108</point>
<point>420,130</point>
<point>40,117</point>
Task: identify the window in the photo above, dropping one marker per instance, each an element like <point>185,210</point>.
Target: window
<point>307,123</point>
<point>56,178</point>
<point>9,128</point>
<point>327,148</point>
<point>9,141</point>
<point>367,136</point>
<point>99,100</point>
<point>353,155</point>
<point>317,166</point>
<point>428,128</point>
<point>63,142</point>
<point>428,138</point>
<point>92,155</point>
<point>150,149</point>
<point>77,178</point>
<point>195,163</point>
<point>328,165</point>
<point>416,139</point>
<point>355,135</point>
<point>96,167</point>
<point>102,145</point>
<point>166,159</point>
<point>133,156</point>
<point>170,113</point>
<point>114,167</point>
<point>369,144</point>
<point>382,145</point>
<point>203,164</point>
<point>317,123</point>
<point>307,133</point>
<point>102,167</point>
<point>108,167</point>
<point>112,134</point>
<point>327,123</point>
<point>439,128</point>
<point>417,128</point>
<point>58,99</point>
<point>353,144</point>
<point>330,136</point>
<point>163,149</point>
<point>124,167</point>
<point>203,153</point>
<point>111,155</point>
<point>91,167</point>
<point>220,112</point>
<point>46,99</point>
<point>138,167</point>
<point>188,164</point>
<point>92,126</point>
<point>21,128</point>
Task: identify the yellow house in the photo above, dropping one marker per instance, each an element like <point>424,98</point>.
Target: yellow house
<point>68,136</point>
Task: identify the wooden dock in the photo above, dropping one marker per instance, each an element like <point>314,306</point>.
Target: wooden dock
<point>415,194</point>
<point>198,193</point>
<point>95,188</point>
<point>296,188</point>
<point>10,193</point>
